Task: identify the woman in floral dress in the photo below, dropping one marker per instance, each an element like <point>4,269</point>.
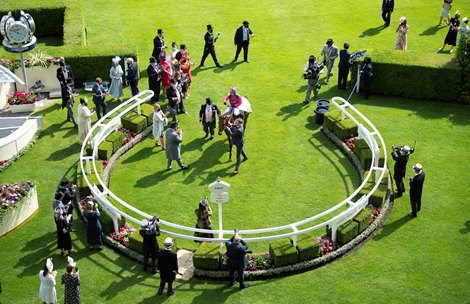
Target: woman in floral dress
<point>402,39</point>
<point>71,280</point>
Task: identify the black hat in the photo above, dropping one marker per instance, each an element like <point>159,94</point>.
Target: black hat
<point>83,100</point>
<point>152,59</point>
<point>69,80</point>
<point>208,100</point>
<point>329,41</point>
<point>174,124</point>
<point>160,31</point>
<point>64,181</point>
<point>246,22</point>
<point>209,26</point>
<point>62,62</point>
<point>183,46</point>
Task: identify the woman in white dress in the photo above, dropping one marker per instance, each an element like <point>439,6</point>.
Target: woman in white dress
<point>115,73</point>
<point>47,292</point>
<point>84,119</point>
<point>159,122</point>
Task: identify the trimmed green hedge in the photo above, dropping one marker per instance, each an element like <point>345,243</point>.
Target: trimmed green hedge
<point>345,129</point>
<point>282,252</point>
<point>136,241</point>
<point>378,197</point>
<point>134,122</point>
<point>346,232</point>
<point>307,247</point>
<point>330,118</point>
<point>116,138</point>
<point>105,150</point>
<point>363,220</point>
<point>359,144</point>
<point>207,256</point>
<point>147,111</point>
<point>365,156</point>
<point>428,75</point>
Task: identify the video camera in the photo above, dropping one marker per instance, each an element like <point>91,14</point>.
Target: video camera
<point>315,69</point>
<point>153,227</point>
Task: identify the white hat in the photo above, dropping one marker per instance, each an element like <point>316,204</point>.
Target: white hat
<point>144,223</point>
<point>116,59</point>
<point>407,149</point>
<point>465,19</point>
<point>402,19</point>
<point>168,243</point>
<point>71,261</point>
<point>418,167</point>
<point>49,265</point>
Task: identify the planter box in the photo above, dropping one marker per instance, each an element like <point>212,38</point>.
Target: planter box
<point>48,76</point>
<point>15,216</point>
<point>23,108</point>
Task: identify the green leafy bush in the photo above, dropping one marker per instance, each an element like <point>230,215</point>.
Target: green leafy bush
<point>347,232</point>
<point>115,139</point>
<point>362,219</point>
<point>365,156</point>
<point>345,129</point>
<point>378,197</point>
<point>330,118</point>
<point>207,256</point>
<point>425,75</point>
<point>134,122</point>
<point>105,150</point>
<point>359,145</point>
<point>147,111</point>
<point>282,252</point>
<point>307,247</point>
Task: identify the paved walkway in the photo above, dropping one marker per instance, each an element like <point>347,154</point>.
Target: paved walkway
<point>185,264</point>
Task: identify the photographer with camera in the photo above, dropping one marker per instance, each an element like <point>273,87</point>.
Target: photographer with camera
<point>237,260</point>
<point>313,70</point>
<point>400,155</point>
<point>149,232</point>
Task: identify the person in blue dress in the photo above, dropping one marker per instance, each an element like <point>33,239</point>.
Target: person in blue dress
<point>94,230</point>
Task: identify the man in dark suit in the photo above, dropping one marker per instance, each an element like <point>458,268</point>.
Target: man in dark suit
<point>158,44</point>
<point>68,93</point>
<point>175,99</point>
<point>343,66</point>
<point>400,155</point>
<point>207,116</point>
<point>153,71</point>
<point>133,76</point>
<point>242,40</point>
<point>99,94</point>
<point>367,73</point>
<point>64,73</point>
<point>237,260</point>
<point>416,189</point>
<point>387,9</point>
<point>150,244</point>
<point>238,141</point>
<point>209,47</point>
<point>168,265</point>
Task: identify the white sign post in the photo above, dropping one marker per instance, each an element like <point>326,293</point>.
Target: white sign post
<point>219,194</point>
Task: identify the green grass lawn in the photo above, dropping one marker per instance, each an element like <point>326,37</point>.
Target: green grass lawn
<point>293,170</point>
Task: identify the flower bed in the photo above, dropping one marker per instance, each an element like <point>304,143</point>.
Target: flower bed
<point>22,98</point>
<point>128,135</point>
<point>18,203</point>
<point>260,261</point>
<point>122,237</point>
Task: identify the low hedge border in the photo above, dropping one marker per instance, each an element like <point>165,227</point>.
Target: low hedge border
<point>207,256</point>
<point>283,253</point>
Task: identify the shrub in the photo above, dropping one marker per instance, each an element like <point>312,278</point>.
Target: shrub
<point>345,128</point>
<point>282,252</point>
<point>105,150</point>
<point>424,73</point>
<point>116,138</point>
<point>346,232</point>
<point>330,118</point>
<point>134,122</point>
<point>359,144</point>
<point>207,256</point>
<point>307,247</point>
<point>146,110</point>
<point>362,219</point>
<point>463,57</point>
<point>365,157</point>
<point>378,197</point>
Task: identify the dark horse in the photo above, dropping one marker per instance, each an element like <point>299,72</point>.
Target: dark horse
<point>224,121</point>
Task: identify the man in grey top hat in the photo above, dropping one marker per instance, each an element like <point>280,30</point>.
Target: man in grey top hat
<point>173,145</point>
<point>416,189</point>
<point>242,40</point>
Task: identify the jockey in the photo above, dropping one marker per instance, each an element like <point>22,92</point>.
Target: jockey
<point>235,101</point>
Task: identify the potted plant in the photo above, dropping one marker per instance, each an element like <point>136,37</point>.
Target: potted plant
<point>22,102</point>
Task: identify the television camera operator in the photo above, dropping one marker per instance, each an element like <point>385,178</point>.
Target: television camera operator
<point>312,69</point>
<point>149,232</point>
<point>400,155</point>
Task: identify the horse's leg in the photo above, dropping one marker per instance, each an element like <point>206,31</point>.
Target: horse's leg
<point>229,146</point>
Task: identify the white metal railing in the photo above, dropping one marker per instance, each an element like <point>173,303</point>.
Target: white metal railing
<point>354,205</point>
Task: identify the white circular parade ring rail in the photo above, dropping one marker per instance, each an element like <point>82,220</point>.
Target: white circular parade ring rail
<point>104,127</point>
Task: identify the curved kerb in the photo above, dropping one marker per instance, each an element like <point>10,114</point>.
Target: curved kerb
<point>104,127</point>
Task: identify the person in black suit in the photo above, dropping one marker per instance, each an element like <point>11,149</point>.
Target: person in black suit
<point>207,116</point>
<point>158,44</point>
<point>63,73</point>
<point>149,232</point>
<point>238,141</point>
<point>400,155</point>
<point>367,73</point>
<point>153,71</point>
<point>242,40</point>
<point>99,97</point>
<point>174,96</point>
<point>68,93</point>
<point>68,198</point>
<point>416,189</point>
<point>168,265</point>
<point>209,47</point>
<point>236,248</point>
<point>343,66</point>
<point>133,76</point>
<point>387,9</point>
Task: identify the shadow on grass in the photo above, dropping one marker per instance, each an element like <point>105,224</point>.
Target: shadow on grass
<point>466,229</point>
<point>35,253</point>
<point>372,31</point>
<point>431,31</point>
<point>61,154</point>
<point>54,107</point>
<point>291,110</point>
<point>140,155</point>
<point>392,227</point>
